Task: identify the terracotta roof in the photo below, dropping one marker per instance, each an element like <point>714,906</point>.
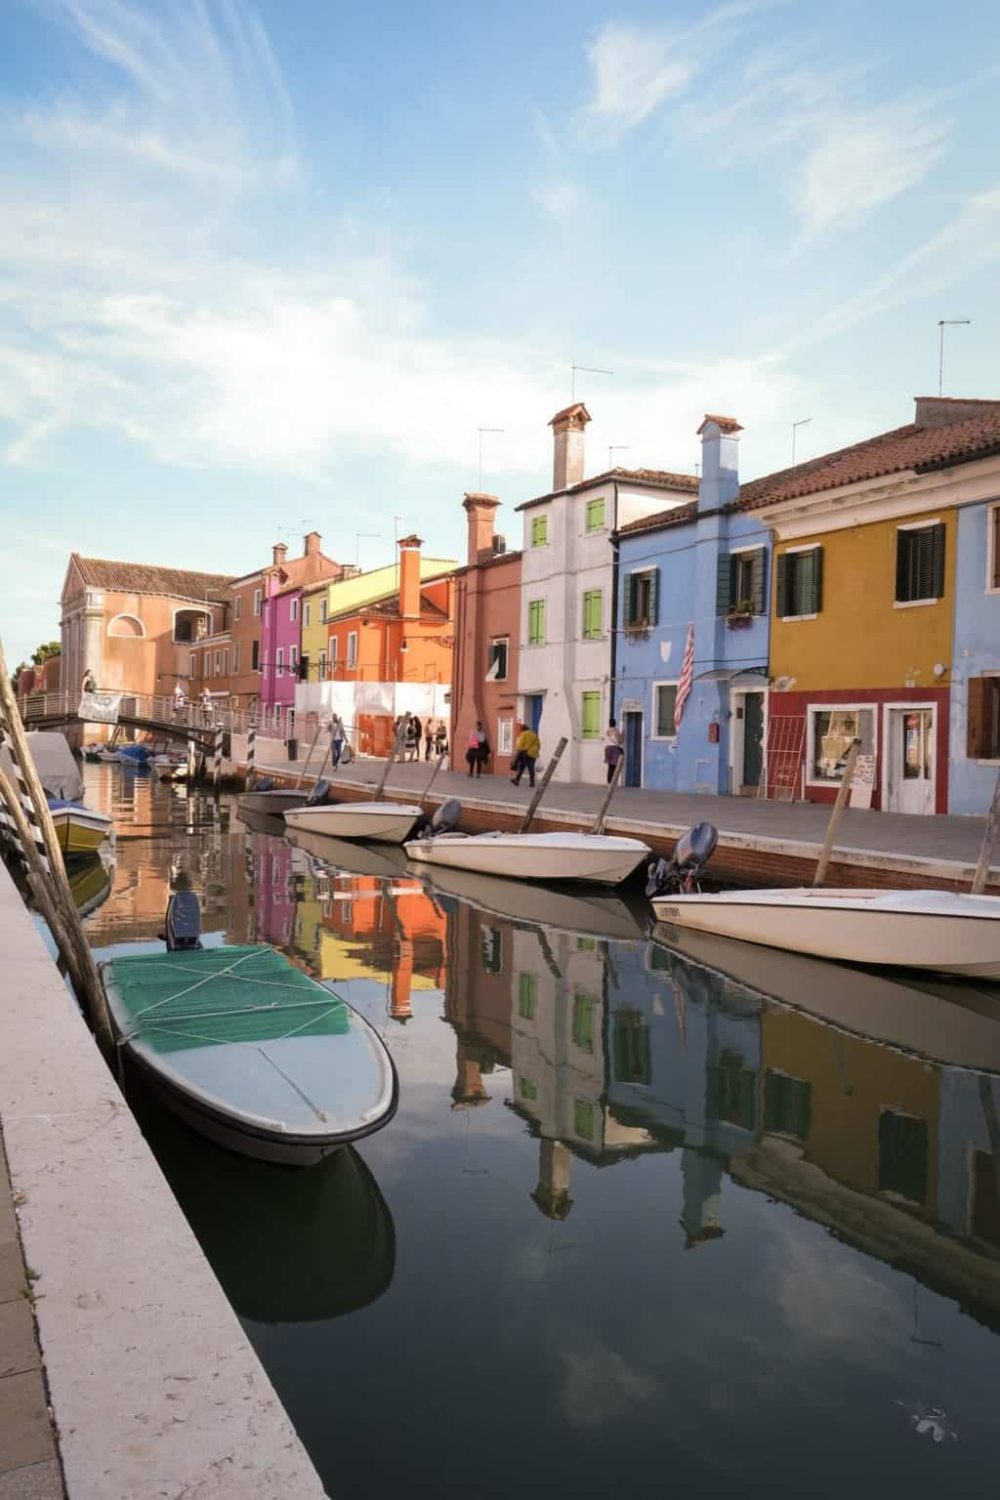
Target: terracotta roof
<point>143,578</point>
<point>660,479</point>
<point>905,448</point>
<point>576,410</point>
<point>675,517</point>
<point>493,561</point>
<point>727,424</point>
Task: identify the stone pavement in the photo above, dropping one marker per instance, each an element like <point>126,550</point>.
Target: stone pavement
<point>29,1464</point>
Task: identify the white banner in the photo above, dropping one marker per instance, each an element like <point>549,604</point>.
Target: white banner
<point>100,708</point>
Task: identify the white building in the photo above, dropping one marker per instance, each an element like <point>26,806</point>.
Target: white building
<point>567,645</point>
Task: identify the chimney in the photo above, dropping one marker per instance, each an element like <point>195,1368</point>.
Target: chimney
<point>567,431</point>
<point>941,411</point>
<point>278,554</point>
<point>311,543</point>
<point>479,509</point>
<point>720,467</point>
<point>409,576</point>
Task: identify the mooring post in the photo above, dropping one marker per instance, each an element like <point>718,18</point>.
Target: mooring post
<point>540,791</point>
<point>396,747</point>
<point>989,843</point>
<point>602,815</point>
<point>838,808</point>
<point>192,762</point>
<point>251,775</point>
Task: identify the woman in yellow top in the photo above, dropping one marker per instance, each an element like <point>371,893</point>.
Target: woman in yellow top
<point>527,751</point>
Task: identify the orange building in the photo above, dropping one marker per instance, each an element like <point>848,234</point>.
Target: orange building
<point>488,623</point>
<point>394,654</point>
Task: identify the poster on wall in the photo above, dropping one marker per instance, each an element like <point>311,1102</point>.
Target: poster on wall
<point>863,781</point>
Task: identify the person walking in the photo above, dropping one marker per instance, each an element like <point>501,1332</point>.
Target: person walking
<point>527,750</point>
<point>413,738</point>
<point>612,748</point>
<point>89,683</point>
<point>478,751</point>
<point>429,731</point>
<point>180,702</point>
<point>206,706</point>
<point>336,740</point>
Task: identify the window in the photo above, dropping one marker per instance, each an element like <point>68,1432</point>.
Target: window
<point>631,1047</point>
<point>192,665</point>
<point>664,705</point>
<point>919,563</point>
<point>322,666</point>
<point>993,548</point>
<point>306,613</point>
<point>236,657</point>
<point>256,601</point>
<point>536,622</point>
<point>505,736</point>
<point>293,609</point>
<point>583,1119</point>
<point>279,661</point>
<point>985,1216</point>
<point>528,1088</point>
<point>324,610</point>
<point>902,1156</point>
<point>731,1090</point>
<point>491,941</point>
<point>255,656</point>
<point>800,583</point>
<point>593,614</point>
<point>741,582</point>
<point>595,515</point>
<point>583,1020</point>
<point>590,717</point>
<point>527,996</point>
<point>225,663</point>
<point>831,731</point>
<point>332,648</point>
<point>352,648</point>
<point>497,669</point>
<point>238,607</point>
<point>983,719</point>
<point>218,663</point>
<point>539,530</point>
<point>786,1105</point>
<point>641,599</point>
<point>207,663</point>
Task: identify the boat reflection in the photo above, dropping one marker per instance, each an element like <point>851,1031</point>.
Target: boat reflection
<point>288,1246</point>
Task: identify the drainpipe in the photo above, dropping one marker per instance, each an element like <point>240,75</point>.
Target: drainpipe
<point>615,548</point>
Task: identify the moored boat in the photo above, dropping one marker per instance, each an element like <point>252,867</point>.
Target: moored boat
<point>251,1051</point>
<point>79,830</point>
<point>378,822</point>
<point>594,857</point>
<point>944,932</point>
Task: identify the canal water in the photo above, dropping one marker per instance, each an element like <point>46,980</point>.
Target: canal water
<point>644,1223</point>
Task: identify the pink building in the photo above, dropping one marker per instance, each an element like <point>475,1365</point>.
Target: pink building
<point>280,643</point>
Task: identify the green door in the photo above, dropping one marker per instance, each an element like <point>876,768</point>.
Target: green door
<point>753,738</point>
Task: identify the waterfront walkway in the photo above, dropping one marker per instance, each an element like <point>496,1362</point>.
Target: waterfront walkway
<point>759,839</point>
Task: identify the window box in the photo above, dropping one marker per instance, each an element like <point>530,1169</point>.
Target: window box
<point>740,615</point>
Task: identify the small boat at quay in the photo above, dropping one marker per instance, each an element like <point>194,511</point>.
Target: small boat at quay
<point>375,822</point>
<point>79,830</point>
<point>251,1051</point>
<point>597,858</point>
<point>943,932</point>
<point>276,801</point>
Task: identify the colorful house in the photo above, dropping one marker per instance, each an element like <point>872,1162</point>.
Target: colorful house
<point>567,637</point>
<point>864,603</point>
<point>696,572</point>
<point>487,631</point>
<point>975,677</point>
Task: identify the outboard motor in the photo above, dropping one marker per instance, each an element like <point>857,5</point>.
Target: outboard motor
<point>680,872</point>
<point>183,925</point>
<point>445,820</point>
<point>320,793</point>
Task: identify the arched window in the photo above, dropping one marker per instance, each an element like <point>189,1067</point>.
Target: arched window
<point>191,625</point>
<point>130,627</point>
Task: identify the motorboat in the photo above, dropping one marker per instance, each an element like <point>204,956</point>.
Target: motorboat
<point>594,857</point>
<point>943,932</point>
<point>79,830</point>
<point>589,913</point>
<point>134,757</point>
<point>274,801</point>
<point>383,861</point>
<point>375,822</point>
<point>250,1050</point>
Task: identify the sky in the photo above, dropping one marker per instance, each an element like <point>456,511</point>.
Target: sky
<point>271,267</point>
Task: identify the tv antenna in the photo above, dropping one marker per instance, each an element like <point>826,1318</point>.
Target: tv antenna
<point>616,448</point>
<point>584,370</point>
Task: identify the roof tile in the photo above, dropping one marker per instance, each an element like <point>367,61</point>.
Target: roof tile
<point>143,578</point>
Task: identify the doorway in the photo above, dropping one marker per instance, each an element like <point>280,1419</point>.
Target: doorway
<point>632,737</point>
<point>749,721</point>
<point>910,759</point>
<point>533,710</point>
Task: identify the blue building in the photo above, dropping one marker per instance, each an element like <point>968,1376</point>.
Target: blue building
<point>975,677</point>
<point>704,565</point>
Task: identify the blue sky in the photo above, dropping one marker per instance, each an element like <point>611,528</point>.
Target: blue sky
<point>273,264</point>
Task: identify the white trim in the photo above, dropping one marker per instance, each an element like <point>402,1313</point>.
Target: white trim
<point>258,601</point>
<point>792,617</point>
<point>881,499</point>
<point>293,609</point>
<point>805,547</point>
<point>661,739</point>
<point>352,649</point>
<point>920,525</point>
<point>127,615</point>
<point>906,707</point>
<point>914,603</point>
<point>737,736</point>
<point>992,537</point>
<point>501,722</point>
<point>835,708</point>
<point>755,547</point>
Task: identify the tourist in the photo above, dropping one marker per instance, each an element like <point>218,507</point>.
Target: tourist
<point>206,705</point>
<point>441,738</point>
<point>478,751</point>
<point>336,740</point>
<point>180,702</point>
<point>89,683</point>
<point>526,752</point>
<point>612,748</point>
<point>429,732</point>
<point>413,729</point>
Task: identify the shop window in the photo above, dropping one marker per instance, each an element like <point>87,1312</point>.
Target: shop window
<point>831,731</point>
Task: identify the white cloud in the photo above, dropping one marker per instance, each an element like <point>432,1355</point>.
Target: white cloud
<point>602,1387</point>
<point>865,159</point>
<point>634,72</point>
<point>560,200</point>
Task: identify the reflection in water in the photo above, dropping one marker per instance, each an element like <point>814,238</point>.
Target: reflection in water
<point>595,1107</point>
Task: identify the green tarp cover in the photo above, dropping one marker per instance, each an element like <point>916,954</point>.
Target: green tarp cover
<point>219,995</point>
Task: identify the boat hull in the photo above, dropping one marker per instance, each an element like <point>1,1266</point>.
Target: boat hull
<point>274,803</point>
<point>553,857</point>
<point>375,822</point>
<point>80,831</point>
<point>859,927</point>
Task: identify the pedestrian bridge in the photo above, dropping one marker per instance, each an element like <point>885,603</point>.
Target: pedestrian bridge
<point>159,715</point>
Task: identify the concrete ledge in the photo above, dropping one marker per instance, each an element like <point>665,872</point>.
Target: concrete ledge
<point>155,1388</point>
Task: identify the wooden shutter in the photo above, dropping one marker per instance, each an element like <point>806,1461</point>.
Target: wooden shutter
<point>976,718</point>
<point>724,584</point>
<point>628,599</point>
<point>936,537</point>
<point>904,541</point>
<point>758,581</point>
<point>781,591</point>
<point>816,602</point>
<point>654,596</point>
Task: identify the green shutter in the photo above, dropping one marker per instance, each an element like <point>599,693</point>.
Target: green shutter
<point>758,581</point>
<point>654,596</point>
<point>590,719</point>
<point>628,599</point>
<point>781,589</point>
<point>816,600</point>
<point>723,584</point>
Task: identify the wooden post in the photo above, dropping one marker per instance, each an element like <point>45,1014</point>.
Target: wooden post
<point>981,876</point>
<point>217,763</point>
<point>309,755</point>
<point>437,766</point>
<point>540,790</point>
<point>838,808</point>
<point>192,759</point>
<point>397,742</point>
<point>251,755</point>
<point>612,784</point>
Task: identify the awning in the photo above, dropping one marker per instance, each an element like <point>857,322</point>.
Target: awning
<point>752,677</point>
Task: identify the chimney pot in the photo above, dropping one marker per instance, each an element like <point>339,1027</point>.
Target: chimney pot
<point>720,469</point>
<point>278,554</point>
<point>311,544</point>
<point>409,576</point>
<point>480,510</point>
<point>567,432</point>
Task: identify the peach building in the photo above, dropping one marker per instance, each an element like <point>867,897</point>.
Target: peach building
<point>487,626</point>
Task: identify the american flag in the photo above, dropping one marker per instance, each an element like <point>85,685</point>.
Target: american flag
<point>686,678</point>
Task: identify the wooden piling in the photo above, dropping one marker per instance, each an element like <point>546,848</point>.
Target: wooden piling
<point>309,754</point>
<point>612,784</point>
<point>251,775</point>
<point>838,808</point>
<point>540,789</point>
<point>217,763</point>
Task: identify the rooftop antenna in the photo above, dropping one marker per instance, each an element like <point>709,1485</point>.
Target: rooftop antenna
<point>944,323</point>
<point>802,422</point>
<point>357,544</point>
<point>481,430</point>
<point>616,448</point>
<point>584,370</point>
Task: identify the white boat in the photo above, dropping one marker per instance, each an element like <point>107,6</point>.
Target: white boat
<point>943,932</point>
<point>378,822</point>
<point>595,857</point>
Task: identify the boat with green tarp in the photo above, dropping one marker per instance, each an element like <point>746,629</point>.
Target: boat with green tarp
<point>251,1051</point>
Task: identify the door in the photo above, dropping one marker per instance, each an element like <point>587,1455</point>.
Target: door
<point>533,710</point>
<point>632,736</point>
<point>753,738</point>
<point>911,760</point>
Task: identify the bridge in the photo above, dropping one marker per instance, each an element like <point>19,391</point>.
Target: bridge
<point>159,716</point>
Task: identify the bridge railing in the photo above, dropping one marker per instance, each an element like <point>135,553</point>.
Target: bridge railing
<point>159,710</point>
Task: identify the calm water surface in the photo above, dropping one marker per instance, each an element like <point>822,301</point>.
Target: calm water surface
<point>637,1227</point>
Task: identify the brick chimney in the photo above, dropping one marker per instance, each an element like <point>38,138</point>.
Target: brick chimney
<point>409,576</point>
<point>310,546</point>
<point>720,465</point>
<point>567,431</point>
<point>278,554</point>
<point>480,509</point>
<point>941,411</point>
